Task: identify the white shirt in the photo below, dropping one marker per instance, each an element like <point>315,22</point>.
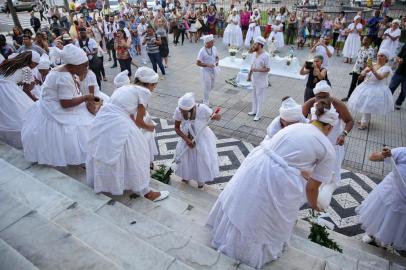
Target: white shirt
<point>208,57</point>
<point>88,47</point>
<point>320,50</point>
<point>260,79</point>
<point>109,30</point>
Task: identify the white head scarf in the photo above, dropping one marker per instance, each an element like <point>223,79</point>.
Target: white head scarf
<point>207,38</point>
<point>260,40</point>
<point>385,52</point>
<point>146,75</point>
<point>187,101</point>
<point>35,57</point>
<point>322,86</point>
<point>121,79</point>
<point>396,21</point>
<point>73,55</point>
<point>356,17</point>
<point>328,117</point>
<point>44,62</point>
<point>290,111</point>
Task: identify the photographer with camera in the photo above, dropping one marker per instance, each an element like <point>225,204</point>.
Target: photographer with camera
<point>316,73</point>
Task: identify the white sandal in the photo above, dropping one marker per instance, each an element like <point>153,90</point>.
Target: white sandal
<point>163,196</point>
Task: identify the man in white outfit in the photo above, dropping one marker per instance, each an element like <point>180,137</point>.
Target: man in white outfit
<point>208,60</point>
<point>259,76</point>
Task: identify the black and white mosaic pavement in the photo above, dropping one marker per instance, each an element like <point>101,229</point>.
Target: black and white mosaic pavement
<point>353,188</point>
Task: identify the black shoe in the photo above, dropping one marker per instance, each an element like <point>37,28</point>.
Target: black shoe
<point>344,99</point>
<point>113,66</point>
<point>397,107</point>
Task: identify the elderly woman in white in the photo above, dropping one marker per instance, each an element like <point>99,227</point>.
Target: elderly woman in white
<point>55,129</point>
<point>233,34</point>
<point>254,28</point>
<point>15,72</point>
<point>290,113</point>
<point>200,161</point>
<point>391,37</point>
<point>276,36</point>
<point>254,227</point>
<point>118,151</point>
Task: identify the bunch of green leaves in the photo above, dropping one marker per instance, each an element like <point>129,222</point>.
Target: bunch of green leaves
<point>319,234</point>
<point>162,174</point>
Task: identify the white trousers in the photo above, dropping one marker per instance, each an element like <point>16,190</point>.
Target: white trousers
<point>366,117</point>
<point>257,99</point>
<point>208,85</point>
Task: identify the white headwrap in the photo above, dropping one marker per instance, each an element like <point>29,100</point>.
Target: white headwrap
<point>121,79</point>
<point>207,38</point>
<point>396,21</point>
<point>73,55</point>
<point>328,117</point>
<point>357,17</point>
<point>35,57</point>
<point>187,101</point>
<point>290,111</point>
<point>260,40</point>
<point>146,75</point>
<point>385,52</point>
<point>322,86</point>
<point>44,62</point>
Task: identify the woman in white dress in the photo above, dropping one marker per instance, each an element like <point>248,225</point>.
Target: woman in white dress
<point>89,86</point>
<point>373,95</point>
<point>254,28</point>
<point>391,37</point>
<point>253,219</point>
<point>353,41</point>
<point>14,101</point>
<point>118,155</point>
<point>55,128</point>
<point>40,73</point>
<point>200,161</point>
<point>290,113</point>
<point>233,33</point>
<point>276,36</point>
<point>383,213</point>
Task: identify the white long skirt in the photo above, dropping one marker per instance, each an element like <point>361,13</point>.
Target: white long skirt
<point>352,45</point>
<point>253,219</point>
<point>130,172</point>
<point>153,149</point>
<point>374,98</point>
<point>13,105</point>
<point>278,37</point>
<point>233,36</point>
<point>200,163</point>
<point>383,218</point>
<point>252,34</point>
<point>50,142</point>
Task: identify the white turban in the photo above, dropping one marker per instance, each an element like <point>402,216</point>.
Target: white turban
<point>207,38</point>
<point>396,21</point>
<point>73,55</point>
<point>260,40</point>
<point>385,52</point>
<point>35,57</point>
<point>322,86</point>
<point>187,101</point>
<point>357,17</point>
<point>44,62</point>
<point>328,117</point>
<point>290,111</point>
<point>146,75</point>
<point>121,79</point>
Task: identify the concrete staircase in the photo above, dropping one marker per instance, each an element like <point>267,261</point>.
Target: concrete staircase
<point>51,220</point>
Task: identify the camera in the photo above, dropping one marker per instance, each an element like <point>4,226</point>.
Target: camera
<point>309,64</point>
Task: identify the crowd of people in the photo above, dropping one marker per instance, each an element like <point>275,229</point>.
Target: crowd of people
<point>53,108</point>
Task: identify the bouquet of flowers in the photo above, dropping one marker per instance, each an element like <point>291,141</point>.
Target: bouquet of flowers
<point>244,54</point>
<point>233,51</point>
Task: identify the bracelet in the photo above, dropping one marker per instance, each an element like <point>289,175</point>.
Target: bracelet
<point>345,133</point>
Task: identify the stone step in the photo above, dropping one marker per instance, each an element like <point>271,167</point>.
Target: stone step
<point>10,259</point>
<point>172,242</point>
<point>356,248</point>
<point>125,249</point>
<point>45,244</point>
<point>31,192</point>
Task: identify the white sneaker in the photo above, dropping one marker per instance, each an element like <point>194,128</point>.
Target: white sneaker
<point>367,239</point>
<point>257,118</point>
<point>251,113</point>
